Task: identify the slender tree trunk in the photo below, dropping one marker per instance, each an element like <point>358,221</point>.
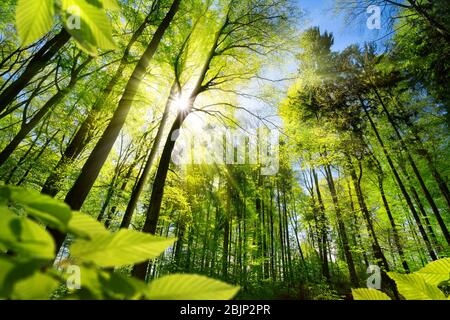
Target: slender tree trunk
<point>40,153</point>
<point>48,106</point>
<point>401,185</point>
<point>82,137</point>
<point>135,195</point>
<point>341,228</point>
<point>226,241</point>
<point>23,157</point>
<point>36,64</point>
<point>397,240</point>
<point>272,238</point>
<point>379,255</point>
<point>77,195</point>
<point>436,175</point>
<point>422,184</point>
<point>355,224</point>
<point>322,228</point>
<point>153,212</point>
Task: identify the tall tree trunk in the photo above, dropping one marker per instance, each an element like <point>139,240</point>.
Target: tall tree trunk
<point>137,191</point>
<point>40,153</point>
<point>378,252</point>
<point>27,127</point>
<point>36,64</point>
<point>322,228</point>
<point>357,240</point>
<point>401,185</point>
<point>82,137</point>
<point>416,171</point>
<point>154,209</point>
<point>341,228</point>
<point>81,188</point>
<point>397,240</point>
<point>22,159</point>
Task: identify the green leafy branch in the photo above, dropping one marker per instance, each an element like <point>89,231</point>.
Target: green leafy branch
<point>420,285</point>
<point>86,21</point>
<point>27,254</point>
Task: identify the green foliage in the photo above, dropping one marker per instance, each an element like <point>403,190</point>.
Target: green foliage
<point>86,21</point>
<point>24,236</point>
<point>27,251</point>
<point>34,18</point>
<point>436,272</point>
<point>44,208</point>
<point>421,285</point>
<point>190,287</point>
<point>94,29</point>
<point>119,249</point>
<point>369,294</point>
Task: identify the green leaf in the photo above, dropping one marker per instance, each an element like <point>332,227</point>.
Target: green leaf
<point>117,286</point>
<point>88,23</point>
<point>111,5</point>
<point>84,226</point>
<point>369,294</point>
<point>414,287</point>
<point>6,266</point>
<point>24,236</point>
<point>98,284</point>
<point>48,210</point>
<point>190,287</point>
<point>123,248</point>
<point>51,212</point>
<point>436,272</point>
<point>37,287</point>
<point>14,272</point>
<point>34,18</point>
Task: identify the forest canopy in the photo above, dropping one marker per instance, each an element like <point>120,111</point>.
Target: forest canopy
<point>220,149</point>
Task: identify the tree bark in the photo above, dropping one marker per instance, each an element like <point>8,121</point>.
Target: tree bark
<point>81,188</point>
<point>83,135</point>
<point>401,185</point>
<point>341,227</point>
<point>37,63</point>
<point>416,171</point>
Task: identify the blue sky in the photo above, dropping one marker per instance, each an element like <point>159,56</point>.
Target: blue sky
<point>317,13</point>
<point>320,13</point>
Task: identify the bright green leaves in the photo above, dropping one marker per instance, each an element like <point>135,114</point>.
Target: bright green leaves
<point>100,284</point>
<point>46,209</point>
<point>111,5</point>
<point>85,226</point>
<point>29,272</point>
<point>123,248</point>
<point>190,287</point>
<point>23,236</point>
<point>369,294</point>
<point>34,18</point>
<point>24,279</point>
<point>85,20</point>
<point>421,285</point>
<point>436,272</point>
<point>414,287</point>
<point>37,287</point>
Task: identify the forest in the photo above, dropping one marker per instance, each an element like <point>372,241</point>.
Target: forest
<point>223,149</point>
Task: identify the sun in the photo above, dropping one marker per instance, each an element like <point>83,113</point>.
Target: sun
<point>182,103</point>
